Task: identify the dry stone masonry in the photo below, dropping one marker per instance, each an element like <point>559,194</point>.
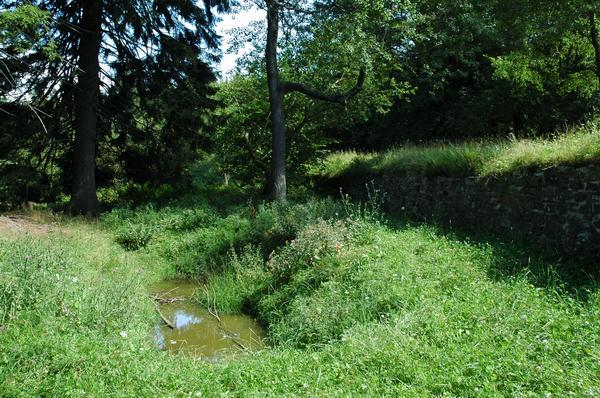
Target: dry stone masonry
<point>557,209</point>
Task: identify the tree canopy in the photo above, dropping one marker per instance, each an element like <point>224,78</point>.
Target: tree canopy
<point>354,74</point>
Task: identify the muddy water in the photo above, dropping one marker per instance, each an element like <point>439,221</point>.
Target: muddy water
<point>196,332</point>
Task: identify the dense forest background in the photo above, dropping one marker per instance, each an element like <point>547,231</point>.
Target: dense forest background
<point>154,119</point>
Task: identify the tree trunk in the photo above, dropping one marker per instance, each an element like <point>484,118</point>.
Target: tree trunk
<point>595,41</point>
<point>83,197</point>
<point>277,91</point>
<point>278,180</point>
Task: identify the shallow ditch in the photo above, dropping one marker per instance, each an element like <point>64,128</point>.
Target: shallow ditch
<point>190,329</point>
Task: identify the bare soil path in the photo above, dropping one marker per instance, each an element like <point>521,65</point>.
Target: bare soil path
<point>34,224</point>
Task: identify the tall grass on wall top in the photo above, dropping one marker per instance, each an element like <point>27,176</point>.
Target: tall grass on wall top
<point>574,146</point>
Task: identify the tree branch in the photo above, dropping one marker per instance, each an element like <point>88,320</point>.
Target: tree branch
<point>595,41</point>
<point>319,95</point>
<point>293,133</point>
<point>265,167</point>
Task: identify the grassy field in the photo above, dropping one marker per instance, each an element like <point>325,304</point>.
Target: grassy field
<point>576,146</point>
<point>354,306</point>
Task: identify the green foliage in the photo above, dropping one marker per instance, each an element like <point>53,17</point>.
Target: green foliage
<point>153,110</point>
<point>556,52</point>
<point>487,68</point>
<point>243,134</point>
<point>21,29</point>
<point>325,49</point>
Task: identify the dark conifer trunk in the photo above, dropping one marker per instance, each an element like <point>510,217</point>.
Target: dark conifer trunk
<point>278,166</point>
<point>83,196</point>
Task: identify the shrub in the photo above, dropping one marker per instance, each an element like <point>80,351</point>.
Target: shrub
<point>204,250</point>
<point>300,268</point>
<point>276,224</point>
<point>314,243</point>
<point>182,220</point>
<point>134,236</point>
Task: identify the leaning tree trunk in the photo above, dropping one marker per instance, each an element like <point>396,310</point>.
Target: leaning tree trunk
<point>595,41</point>
<point>83,196</point>
<point>276,95</point>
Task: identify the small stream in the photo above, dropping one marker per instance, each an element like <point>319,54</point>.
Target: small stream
<point>196,332</point>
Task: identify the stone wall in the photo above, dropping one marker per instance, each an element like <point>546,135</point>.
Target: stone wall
<point>556,209</point>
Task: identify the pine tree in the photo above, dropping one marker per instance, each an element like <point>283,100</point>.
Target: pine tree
<point>100,42</point>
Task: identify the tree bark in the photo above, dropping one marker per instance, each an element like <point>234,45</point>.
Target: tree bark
<point>83,197</point>
<point>595,41</point>
<point>276,94</point>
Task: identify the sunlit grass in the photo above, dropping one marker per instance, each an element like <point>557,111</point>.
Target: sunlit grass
<point>353,308</point>
<point>575,146</point>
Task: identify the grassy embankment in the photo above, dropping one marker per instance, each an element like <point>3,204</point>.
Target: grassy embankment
<point>577,146</point>
<point>353,307</point>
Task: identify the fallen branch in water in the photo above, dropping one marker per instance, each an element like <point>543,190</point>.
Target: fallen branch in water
<point>165,320</point>
<point>213,311</point>
<point>214,314</point>
<point>167,300</point>
<point>231,336</point>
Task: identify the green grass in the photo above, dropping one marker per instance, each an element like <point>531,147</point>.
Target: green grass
<point>353,307</point>
<point>578,146</point>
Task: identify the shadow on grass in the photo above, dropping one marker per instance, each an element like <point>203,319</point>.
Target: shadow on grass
<point>577,278</point>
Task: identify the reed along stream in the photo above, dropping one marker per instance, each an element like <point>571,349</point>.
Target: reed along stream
<point>190,329</point>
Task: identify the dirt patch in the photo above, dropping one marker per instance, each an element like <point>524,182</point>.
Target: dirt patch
<point>22,224</point>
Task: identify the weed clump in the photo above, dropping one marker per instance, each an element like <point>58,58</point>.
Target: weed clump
<point>30,280</point>
<point>134,236</point>
<point>314,243</point>
<point>232,291</point>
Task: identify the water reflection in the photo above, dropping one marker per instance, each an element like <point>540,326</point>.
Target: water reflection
<point>182,319</point>
<point>198,333</point>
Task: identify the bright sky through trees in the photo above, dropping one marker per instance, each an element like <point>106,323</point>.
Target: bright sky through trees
<point>230,21</point>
